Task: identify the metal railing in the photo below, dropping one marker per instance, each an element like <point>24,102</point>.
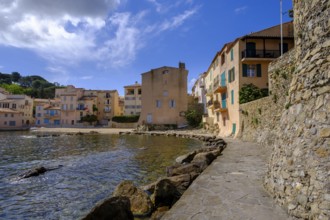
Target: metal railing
<point>261,53</point>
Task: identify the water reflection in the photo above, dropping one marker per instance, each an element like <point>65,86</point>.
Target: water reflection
<point>92,166</point>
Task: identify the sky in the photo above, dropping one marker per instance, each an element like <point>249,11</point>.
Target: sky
<point>108,44</point>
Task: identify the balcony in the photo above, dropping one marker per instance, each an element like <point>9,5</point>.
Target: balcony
<point>220,86</point>
<point>265,54</point>
<point>56,115</point>
<point>220,106</point>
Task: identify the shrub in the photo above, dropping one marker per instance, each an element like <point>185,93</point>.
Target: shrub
<point>251,92</point>
<point>193,117</point>
<point>126,119</point>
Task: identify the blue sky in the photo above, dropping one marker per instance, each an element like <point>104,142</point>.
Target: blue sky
<point>107,44</point>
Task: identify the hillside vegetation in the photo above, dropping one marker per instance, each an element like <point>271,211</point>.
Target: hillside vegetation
<point>34,86</point>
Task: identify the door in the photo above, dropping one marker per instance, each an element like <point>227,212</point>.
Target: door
<point>234,129</point>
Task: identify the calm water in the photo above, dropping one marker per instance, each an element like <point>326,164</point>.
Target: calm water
<point>92,166</point>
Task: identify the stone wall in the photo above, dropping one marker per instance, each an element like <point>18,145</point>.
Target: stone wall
<point>298,129</point>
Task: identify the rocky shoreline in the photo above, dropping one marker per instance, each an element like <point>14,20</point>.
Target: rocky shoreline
<point>153,200</point>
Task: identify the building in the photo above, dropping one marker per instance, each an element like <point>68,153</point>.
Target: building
<point>70,111</point>
<point>11,119</point>
<point>164,96</point>
<point>108,105</point>
<point>20,103</point>
<point>199,91</point>
<point>121,106</point>
<point>47,112</point>
<point>243,61</point>
<point>132,100</point>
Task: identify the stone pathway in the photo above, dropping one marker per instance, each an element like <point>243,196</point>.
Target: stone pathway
<point>230,188</point>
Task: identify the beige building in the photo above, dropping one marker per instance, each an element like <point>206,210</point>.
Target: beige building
<point>11,119</point>
<point>243,61</point>
<point>20,103</point>
<point>47,112</point>
<point>132,100</point>
<point>121,106</point>
<point>164,96</point>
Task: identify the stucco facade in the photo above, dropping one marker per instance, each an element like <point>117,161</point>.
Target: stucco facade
<point>47,112</point>
<point>164,96</point>
<point>243,61</point>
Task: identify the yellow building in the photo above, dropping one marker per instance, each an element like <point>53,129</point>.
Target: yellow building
<point>164,96</point>
<point>69,98</point>
<point>108,105</point>
<point>132,100</point>
<point>121,106</point>
<point>243,61</point>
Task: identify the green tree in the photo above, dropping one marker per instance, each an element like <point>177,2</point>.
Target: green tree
<point>13,88</point>
<point>15,76</point>
<point>89,118</point>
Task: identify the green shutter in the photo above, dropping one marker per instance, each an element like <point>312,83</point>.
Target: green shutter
<point>232,97</point>
<point>229,78</point>
<point>231,54</point>
<point>258,70</point>
<point>244,70</point>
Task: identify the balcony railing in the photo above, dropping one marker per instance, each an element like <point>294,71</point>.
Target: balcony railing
<point>209,104</point>
<point>261,53</point>
<point>51,115</point>
<point>220,106</point>
<point>220,86</point>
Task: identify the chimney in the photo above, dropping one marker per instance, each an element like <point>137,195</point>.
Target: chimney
<point>182,65</point>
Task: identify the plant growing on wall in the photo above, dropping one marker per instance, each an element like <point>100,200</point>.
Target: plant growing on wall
<point>250,92</point>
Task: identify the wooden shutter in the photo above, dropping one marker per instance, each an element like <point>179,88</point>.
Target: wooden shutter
<point>244,70</point>
<point>258,70</point>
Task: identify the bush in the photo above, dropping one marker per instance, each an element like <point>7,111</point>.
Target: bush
<point>126,119</point>
<point>251,92</point>
<point>89,118</point>
<point>193,117</point>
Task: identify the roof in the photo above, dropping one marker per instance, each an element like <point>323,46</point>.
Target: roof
<point>134,85</point>
<point>274,31</point>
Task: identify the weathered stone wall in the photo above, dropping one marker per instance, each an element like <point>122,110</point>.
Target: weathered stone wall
<point>294,119</point>
<point>260,118</point>
<point>298,175</point>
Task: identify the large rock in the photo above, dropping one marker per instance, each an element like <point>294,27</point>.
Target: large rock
<point>115,208</point>
<point>206,157</point>
<point>187,158</point>
<point>182,182</point>
<point>184,169</point>
<point>159,213</point>
<point>141,204</point>
<point>165,194</point>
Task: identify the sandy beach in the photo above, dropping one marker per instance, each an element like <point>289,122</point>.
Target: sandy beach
<point>82,130</point>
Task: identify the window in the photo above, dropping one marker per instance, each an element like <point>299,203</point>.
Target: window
<point>172,103</point>
<point>139,91</point>
<point>13,105</point>
<point>251,70</point>
<point>5,123</point>
<point>232,96</point>
<point>223,58</point>
<point>64,98</point>
<point>6,115</point>
<point>71,106</point>
<point>165,93</point>
<point>5,105</point>
<point>12,115</point>
<point>46,121</point>
<point>71,98</point>
<point>231,75</point>
<point>12,123</point>
<point>232,54</point>
<point>158,104</point>
<point>165,71</point>
<point>38,114</point>
<point>130,92</point>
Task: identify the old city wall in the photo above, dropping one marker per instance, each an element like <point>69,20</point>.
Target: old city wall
<point>296,126</point>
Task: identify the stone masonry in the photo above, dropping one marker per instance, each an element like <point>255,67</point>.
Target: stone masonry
<point>296,122</point>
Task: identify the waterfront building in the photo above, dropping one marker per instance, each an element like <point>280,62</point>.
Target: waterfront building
<point>20,103</point>
<point>243,61</point>
<point>121,106</point>
<point>47,112</point>
<point>70,111</point>
<point>108,105</point>
<point>132,101</point>
<point>11,119</point>
<point>164,96</point>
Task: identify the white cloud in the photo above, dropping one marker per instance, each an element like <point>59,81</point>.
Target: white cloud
<point>240,9</point>
<point>67,32</point>
<point>192,82</point>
